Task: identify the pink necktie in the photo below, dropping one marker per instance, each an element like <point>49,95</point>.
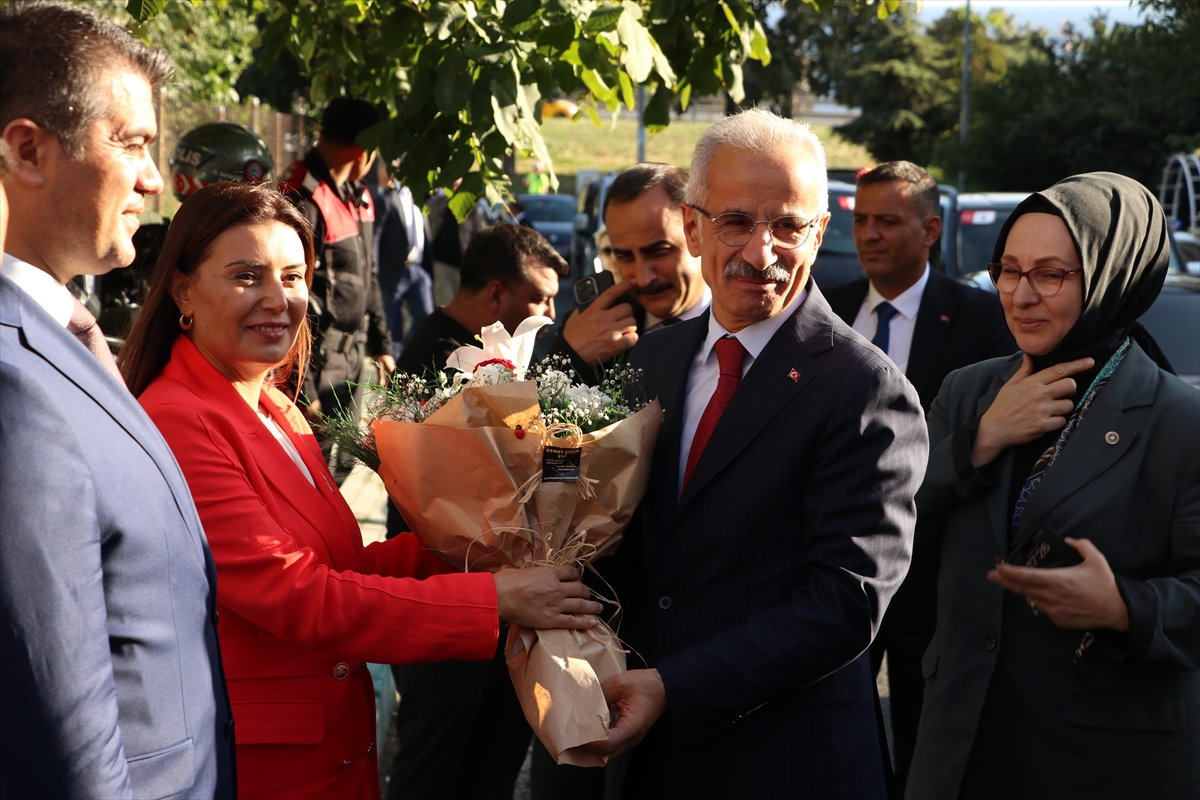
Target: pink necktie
<point>84,326</point>
<point>730,355</point>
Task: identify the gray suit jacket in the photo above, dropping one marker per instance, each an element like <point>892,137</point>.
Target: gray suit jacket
<point>110,673</point>
<point>1007,711</point>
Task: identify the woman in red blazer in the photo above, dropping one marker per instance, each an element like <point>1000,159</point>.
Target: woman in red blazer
<point>303,605</point>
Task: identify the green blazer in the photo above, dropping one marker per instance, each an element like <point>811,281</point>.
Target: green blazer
<point>1007,711</point>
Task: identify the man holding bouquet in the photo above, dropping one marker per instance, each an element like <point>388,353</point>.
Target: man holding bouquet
<point>778,518</point>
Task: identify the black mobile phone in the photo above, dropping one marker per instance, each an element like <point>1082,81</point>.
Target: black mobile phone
<point>589,288</point>
<point>1045,550</point>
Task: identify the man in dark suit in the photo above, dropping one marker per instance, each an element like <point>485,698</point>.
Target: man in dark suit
<point>110,675</point>
<point>779,513</point>
<point>929,325</point>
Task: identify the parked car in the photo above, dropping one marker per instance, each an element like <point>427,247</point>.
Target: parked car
<point>551,215</point>
<point>590,192</point>
<point>1173,320</point>
<point>837,261</point>
<point>559,108</point>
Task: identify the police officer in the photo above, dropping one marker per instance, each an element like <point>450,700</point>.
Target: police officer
<point>344,301</point>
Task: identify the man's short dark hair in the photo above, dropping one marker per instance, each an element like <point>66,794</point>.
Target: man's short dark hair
<point>643,177</point>
<point>921,185</point>
<point>52,53</point>
<point>346,117</point>
<point>501,253</point>
<point>6,159</point>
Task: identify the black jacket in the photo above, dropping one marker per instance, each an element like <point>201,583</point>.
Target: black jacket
<point>956,325</point>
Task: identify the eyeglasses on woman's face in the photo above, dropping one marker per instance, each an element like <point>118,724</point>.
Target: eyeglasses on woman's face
<point>736,229</point>
<point>1046,281</point>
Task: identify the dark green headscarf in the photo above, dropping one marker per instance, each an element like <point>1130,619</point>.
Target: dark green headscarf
<point>1120,236</point>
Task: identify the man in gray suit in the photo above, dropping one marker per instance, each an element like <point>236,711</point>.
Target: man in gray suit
<point>110,674</point>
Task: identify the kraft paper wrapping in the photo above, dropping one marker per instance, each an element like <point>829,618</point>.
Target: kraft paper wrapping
<point>459,479</point>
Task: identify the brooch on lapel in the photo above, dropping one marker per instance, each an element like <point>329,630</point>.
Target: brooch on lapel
<point>795,376</point>
<point>945,317</point>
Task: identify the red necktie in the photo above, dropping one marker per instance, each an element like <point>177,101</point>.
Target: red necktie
<point>730,355</point>
<point>84,326</point>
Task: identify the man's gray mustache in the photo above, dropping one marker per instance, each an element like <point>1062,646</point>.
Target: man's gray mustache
<point>741,269</point>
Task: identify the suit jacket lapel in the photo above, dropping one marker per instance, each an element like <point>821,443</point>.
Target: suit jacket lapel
<point>64,353</point>
<point>930,331</point>
<point>318,507</point>
<point>767,387</point>
<point>996,500</point>
<point>1089,452</point>
<point>672,385</point>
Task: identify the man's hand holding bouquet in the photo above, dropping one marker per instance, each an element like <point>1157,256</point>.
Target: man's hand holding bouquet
<point>499,466</point>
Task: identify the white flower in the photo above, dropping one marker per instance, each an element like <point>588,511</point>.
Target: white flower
<point>499,346</point>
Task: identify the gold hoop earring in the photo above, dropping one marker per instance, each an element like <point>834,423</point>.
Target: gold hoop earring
<point>186,322</point>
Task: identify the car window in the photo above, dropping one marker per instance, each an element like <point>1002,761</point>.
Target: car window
<point>839,234</point>
<point>978,230</point>
<point>549,209</point>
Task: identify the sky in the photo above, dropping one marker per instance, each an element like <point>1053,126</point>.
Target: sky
<point>1041,14</point>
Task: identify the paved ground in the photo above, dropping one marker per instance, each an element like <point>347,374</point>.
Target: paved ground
<point>364,492</point>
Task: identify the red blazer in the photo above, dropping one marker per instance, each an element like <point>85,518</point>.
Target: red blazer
<point>303,605</point>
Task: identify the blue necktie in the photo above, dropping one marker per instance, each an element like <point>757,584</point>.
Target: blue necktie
<point>885,311</point>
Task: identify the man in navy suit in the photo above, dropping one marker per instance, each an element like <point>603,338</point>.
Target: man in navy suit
<point>110,674</point>
<point>929,325</point>
<point>779,515</point>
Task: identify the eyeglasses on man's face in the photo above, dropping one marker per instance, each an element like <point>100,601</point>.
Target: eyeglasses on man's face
<point>736,229</point>
<point>1046,281</point>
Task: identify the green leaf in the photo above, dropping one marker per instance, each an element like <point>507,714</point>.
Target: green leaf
<point>626,89</point>
<point>733,83</point>
<point>464,198</point>
<point>564,73</point>
<point>397,28</point>
<point>758,45</point>
<point>589,54</point>
<point>453,88</point>
<point>372,136</point>
<point>603,18</point>
<point>144,10</point>
<point>492,55</point>
<point>460,164</point>
<point>638,56</point>
<point>592,115</point>
<point>685,96</point>
<point>352,45</point>
<point>658,111</point>
<point>519,11</point>
<point>444,19</point>
<point>506,120</point>
<point>557,37</point>
<point>599,88</point>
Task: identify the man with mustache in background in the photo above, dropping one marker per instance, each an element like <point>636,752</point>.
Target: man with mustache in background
<point>644,218</point>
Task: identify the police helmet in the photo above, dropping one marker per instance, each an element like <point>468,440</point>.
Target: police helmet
<point>218,152</point>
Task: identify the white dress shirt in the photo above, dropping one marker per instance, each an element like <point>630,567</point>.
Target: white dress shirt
<point>287,445</point>
<point>705,371</point>
<point>46,291</point>
<point>900,334</point>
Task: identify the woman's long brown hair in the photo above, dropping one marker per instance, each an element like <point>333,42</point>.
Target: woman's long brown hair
<point>201,219</point>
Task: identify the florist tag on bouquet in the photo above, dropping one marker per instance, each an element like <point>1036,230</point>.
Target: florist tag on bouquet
<point>561,464</point>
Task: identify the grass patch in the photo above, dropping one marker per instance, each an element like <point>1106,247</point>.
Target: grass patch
<point>581,145</point>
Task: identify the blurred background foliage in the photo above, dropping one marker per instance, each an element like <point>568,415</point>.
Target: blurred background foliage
<point>463,81</point>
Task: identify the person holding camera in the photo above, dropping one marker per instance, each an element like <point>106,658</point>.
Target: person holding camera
<point>645,227</point>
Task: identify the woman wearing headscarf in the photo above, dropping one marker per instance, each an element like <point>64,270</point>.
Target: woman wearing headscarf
<point>1066,479</point>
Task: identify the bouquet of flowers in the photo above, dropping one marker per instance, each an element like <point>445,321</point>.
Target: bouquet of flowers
<point>501,465</point>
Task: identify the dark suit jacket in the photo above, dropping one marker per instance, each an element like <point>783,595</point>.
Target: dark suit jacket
<point>110,676</point>
<point>1007,712</point>
<point>761,586</point>
<point>956,325</point>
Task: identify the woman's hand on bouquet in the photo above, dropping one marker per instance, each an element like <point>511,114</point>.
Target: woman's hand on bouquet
<point>1080,597</point>
<point>545,597</point>
<point>638,699</point>
<point>1029,405</point>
